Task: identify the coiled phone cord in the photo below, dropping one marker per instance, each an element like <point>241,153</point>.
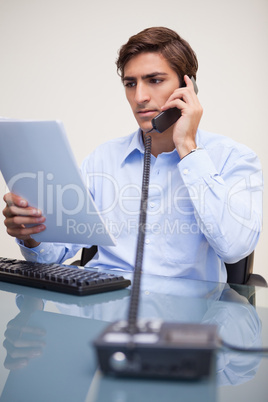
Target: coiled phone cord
<point>135,293</point>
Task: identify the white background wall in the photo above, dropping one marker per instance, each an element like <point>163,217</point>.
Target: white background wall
<point>57,61</point>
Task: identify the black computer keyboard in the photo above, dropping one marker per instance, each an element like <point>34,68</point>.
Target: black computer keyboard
<point>59,278</point>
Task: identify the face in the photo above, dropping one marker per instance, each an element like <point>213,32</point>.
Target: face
<point>148,81</point>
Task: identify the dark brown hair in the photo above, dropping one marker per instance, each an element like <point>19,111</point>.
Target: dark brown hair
<point>177,51</point>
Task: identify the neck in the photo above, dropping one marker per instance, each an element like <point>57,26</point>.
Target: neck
<point>161,142</point>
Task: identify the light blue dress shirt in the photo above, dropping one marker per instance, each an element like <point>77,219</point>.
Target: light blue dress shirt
<point>203,210</point>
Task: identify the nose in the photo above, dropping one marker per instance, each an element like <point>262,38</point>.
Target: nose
<point>142,93</point>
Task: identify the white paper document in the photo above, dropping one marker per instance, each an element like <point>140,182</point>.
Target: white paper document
<point>37,164</point>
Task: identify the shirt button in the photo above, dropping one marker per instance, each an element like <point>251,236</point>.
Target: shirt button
<point>41,251</point>
<point>32,253</point>
<point>152,204</point>
<point>185,171</point>
<point>147,241</point>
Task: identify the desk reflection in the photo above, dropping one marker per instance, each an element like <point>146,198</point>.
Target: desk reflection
<point>50,355</point>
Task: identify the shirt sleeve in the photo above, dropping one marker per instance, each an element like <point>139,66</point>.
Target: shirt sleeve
<point>49,252</point>
<point>227,203</point>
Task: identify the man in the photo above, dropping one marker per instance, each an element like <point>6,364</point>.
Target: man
<point>205,196</point>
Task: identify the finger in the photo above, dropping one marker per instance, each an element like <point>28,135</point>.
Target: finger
<point>19,345</point>
<point>188,82</point>
<point>184,96</point>
<point>178,103</point>
<point>23,221</point>
<point>186,93</point>
<point>24,344</point>
<point>16,339</point>
<point>14,364</point>
<point>12,210</point>
<point>25,233</point>
<point>189,102</point>
<point>18,352</point>
<point>177,94</point>
<point>25,353</point>
<point>13,199</point>
<point>17,329</point>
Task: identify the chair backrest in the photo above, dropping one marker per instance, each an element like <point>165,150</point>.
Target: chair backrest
<point>88,254</point>
<point>239,272</point>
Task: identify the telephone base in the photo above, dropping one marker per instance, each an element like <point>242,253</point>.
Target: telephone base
<point>158,350</point>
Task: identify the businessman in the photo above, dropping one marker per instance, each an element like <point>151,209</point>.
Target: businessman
<point>205,193</point>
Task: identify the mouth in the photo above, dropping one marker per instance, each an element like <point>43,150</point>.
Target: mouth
<point>146,113</point>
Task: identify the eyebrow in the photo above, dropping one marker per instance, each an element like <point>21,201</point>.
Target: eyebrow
<point>144,77</point>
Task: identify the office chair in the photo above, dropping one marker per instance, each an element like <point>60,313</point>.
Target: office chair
<point>239,273</point>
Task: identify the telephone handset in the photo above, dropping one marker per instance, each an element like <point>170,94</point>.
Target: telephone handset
<point>165,119</point>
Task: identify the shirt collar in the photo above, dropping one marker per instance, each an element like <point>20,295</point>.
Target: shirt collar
<point>136,143</point>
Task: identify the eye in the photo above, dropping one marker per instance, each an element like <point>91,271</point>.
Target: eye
<point>155,80</point>
<point>129,84</point>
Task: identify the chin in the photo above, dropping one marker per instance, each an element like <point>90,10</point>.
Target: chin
<point>146,127</point>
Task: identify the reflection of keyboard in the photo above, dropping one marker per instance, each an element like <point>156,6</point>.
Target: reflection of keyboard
<point>59,278</point>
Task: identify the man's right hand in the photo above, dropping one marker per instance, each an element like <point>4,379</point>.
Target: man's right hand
<point>18,214</point>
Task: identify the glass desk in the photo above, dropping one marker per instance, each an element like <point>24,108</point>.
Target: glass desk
<point>46,351</point>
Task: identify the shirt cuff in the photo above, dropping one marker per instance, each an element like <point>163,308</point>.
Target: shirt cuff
<point>196,166</point>
<point>41,253</point>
